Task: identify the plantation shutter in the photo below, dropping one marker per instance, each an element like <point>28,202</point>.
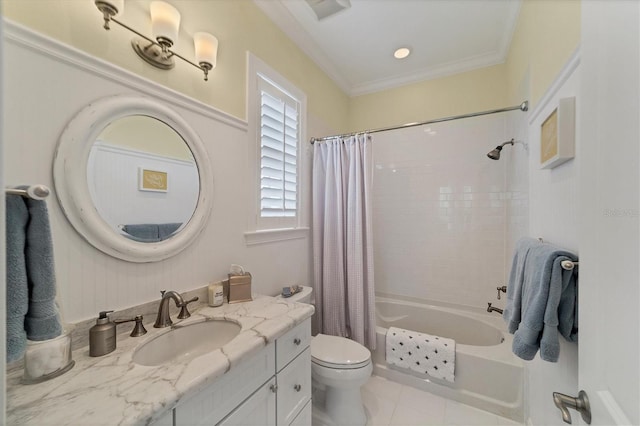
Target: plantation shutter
<point>279,134</point>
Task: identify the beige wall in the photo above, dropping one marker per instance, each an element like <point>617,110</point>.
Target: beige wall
<point>146,134</point>
<point>239,26</point>
<point>468,92</point>
<point>547,33</point>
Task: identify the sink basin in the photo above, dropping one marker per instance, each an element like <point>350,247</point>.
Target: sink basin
<point>184,343</point>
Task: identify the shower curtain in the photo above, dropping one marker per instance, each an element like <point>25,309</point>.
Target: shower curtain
<point>343,238</point>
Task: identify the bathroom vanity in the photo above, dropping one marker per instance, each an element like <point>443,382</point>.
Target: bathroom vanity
<point>262,376</point>
<point>272,387</point>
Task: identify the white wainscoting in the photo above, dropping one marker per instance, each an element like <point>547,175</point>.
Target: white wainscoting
<point>113,173</point>
<point>47,83</point>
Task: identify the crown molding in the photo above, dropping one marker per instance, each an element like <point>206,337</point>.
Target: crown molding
<point>444,70</point>
<point>284,19</point>
<point>280,15</point>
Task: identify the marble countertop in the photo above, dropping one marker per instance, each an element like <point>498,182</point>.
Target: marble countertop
<point>113,390</point>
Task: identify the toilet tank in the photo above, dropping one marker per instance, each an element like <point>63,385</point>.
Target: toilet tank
<point>303,296</point>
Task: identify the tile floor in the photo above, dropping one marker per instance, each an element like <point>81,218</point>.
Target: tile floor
<point>392,404</point>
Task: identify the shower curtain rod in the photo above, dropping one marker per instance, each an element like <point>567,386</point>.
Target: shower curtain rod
<point>524,106</point>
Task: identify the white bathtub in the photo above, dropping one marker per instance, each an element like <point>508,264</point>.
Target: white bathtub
<point>487,374</point>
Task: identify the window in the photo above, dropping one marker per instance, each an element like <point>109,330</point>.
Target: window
<point>276,112</point>
<point>279,136</point>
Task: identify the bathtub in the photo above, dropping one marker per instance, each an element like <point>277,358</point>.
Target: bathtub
<point>487,374</point>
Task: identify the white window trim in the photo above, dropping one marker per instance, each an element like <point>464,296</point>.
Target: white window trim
<point>255,235</point>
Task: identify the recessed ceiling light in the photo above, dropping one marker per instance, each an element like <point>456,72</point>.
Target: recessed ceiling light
<point>402,53</point>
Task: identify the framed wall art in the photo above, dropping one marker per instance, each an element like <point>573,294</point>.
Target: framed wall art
<point>557,135</point>
<point>152,180</point>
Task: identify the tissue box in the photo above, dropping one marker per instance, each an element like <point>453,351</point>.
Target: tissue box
<point>240,288</point>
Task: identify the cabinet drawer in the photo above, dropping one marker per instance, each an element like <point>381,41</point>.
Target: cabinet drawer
<point>294,387</point>
<point>213,403</point>
<point>292,343</point>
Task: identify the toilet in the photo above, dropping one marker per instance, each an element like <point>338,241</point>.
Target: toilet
<point>341,366</point>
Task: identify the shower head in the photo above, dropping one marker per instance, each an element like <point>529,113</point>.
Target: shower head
<point>495,153</point>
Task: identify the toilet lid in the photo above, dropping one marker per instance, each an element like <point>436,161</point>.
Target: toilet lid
<point>338,352</point>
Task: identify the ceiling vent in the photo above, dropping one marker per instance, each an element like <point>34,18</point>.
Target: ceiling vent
<point>324,8</point>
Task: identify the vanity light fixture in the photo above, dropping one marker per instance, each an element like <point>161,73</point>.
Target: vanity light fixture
<point>165,23</point>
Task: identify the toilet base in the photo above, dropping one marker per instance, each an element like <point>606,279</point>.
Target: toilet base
<point>344,406</point>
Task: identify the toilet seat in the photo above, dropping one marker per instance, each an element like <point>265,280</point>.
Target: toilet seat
<point>338,353</point>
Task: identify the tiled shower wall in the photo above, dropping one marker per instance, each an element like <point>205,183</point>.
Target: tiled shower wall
<point>441,226</point>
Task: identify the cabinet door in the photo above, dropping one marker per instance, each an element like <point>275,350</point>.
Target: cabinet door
<point>165,420</point>
<point>294,387</point>
<point>213,403</point>
<point>258,410</point>
<point>304,418</point>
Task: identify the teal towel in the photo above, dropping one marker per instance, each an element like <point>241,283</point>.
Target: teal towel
<point>144,232</point>
<point>542,300</point>
<point>42,321</point>
<point>513,308</point>
<point>165,230</point>
<point>17,217</point>
<point>151,232</point>
<point>31,291</point>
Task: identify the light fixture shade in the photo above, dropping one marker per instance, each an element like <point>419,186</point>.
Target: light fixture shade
<point>206,48</point>
<point>165,21</point>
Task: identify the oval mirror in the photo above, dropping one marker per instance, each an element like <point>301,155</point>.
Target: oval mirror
<point>133,178</point>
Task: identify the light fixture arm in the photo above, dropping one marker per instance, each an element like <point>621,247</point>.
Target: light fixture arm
<point>108,12</point>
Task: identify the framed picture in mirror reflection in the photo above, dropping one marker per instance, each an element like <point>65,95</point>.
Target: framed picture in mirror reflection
<point>152,180</point>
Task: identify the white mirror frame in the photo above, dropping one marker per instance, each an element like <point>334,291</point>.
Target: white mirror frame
<point>72,189</point>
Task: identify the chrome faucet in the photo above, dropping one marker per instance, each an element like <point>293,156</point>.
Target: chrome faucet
<point>164,319</point>
<point>492,308</point>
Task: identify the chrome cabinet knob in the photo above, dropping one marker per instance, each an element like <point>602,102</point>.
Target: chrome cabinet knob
<point>297,388</point>
<point>297,341</point>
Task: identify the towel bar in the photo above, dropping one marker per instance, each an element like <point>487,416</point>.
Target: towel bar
<point>566,264</point>
<point>36,192</point>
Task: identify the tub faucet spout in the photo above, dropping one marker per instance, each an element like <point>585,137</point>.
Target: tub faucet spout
<point>493,309</point>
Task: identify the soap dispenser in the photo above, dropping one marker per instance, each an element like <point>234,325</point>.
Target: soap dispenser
<point>102,336</point>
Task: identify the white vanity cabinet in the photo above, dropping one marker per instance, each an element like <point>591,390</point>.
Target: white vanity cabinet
<point>258,409</point>
<point>272,387</point>
<point>165,420</point>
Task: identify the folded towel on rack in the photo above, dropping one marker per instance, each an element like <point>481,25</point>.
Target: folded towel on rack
<point>542,300</point>
<point>165,230</point>
<point>513,308</point>
<point>144,232</point>
<point>150,232</point>
<point>420,352</point>
<point>43,320</point>
<point>31,308</point>
<point>17,217</point>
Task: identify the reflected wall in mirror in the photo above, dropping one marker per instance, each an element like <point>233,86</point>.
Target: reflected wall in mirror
<point>133,178</point>
<point>142,178</point>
